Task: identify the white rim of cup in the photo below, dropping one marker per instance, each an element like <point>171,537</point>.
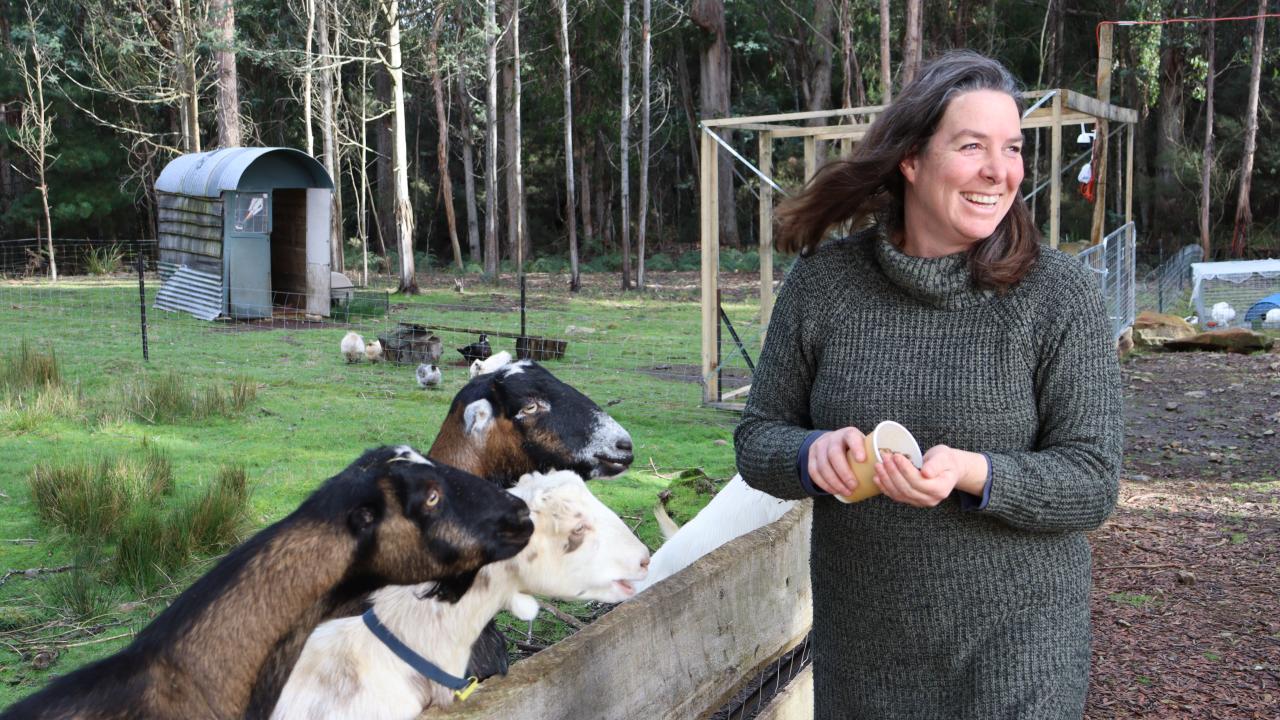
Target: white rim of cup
<point>912,452</point>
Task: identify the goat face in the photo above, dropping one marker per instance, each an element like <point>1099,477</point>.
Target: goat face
<point>558,427</point>
<point>580,548</point>
<point>415,520</point>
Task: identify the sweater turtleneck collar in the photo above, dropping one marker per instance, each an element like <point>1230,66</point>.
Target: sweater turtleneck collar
<point>942,282</point>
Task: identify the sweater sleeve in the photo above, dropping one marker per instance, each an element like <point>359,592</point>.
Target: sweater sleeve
<point>1070,480</point>
<point>776,420</point>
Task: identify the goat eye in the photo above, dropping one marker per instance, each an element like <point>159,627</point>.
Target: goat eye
<point>433,498</point>
<point>580,530</point>
<point>530,409</point>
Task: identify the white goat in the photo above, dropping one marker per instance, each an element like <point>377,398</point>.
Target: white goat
<point>373,351</point>
<point>736,510</point>
<point>580,550</point>
<point>352,347</point>
<point>492,363</point>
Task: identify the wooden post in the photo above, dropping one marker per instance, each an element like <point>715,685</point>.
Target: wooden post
<point>766,233</point>
<point>1128,177</point>
<point>710,216</point>
<point>810,157</point>
<point>1100,140</point>
<point>1055,171</point>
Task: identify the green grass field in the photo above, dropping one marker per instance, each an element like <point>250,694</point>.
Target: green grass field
<point>311,416</point>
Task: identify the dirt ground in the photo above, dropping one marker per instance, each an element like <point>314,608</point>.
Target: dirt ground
<point>1185,601</point>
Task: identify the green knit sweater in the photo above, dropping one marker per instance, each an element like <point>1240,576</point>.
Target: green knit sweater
<point>944,613</point>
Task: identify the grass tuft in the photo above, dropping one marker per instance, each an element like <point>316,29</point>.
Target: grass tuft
<point>79,591</point>
<point>104,260</point>
<point>147,548</point>
<point>214,517</point>
<point>88,499</point>
<point>29,369</point>
<point>169,397</point>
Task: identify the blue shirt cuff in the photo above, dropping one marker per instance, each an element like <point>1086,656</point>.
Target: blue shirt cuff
<point>971,502</point>
<point>802,465</point>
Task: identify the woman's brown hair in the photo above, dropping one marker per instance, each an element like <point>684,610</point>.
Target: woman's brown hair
<point>868,185</point>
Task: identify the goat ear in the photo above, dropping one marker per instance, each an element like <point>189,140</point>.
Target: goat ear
<point>362,518</point>
<point>477,417</point>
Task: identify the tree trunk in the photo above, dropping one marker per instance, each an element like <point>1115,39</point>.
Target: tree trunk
<point>228,108</point>
<point>1206,162</point>
<point>708,15</point>
<point>506,102</point>
<point>491,250</point>
<point>308,63</point>
<point>821,52</point>
<point>1244,215</point>
<point>624,142</point>
<point>188,98</point>
<point>570,207</point>
<point>329,131</point>
<point>468,160</point>
<point>646,61</point>
<point>384,204</point>
<point>362,191</point>
<point>400,159</point>
<point>1169,134</point>
<point>442,136</point>
<point>886,74</point>
<point>586,195</point>
<point>35,129</point>
<point>911,42</point>
<point>686,101</point>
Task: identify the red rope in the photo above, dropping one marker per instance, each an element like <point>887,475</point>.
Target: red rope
<point>1097,31</point>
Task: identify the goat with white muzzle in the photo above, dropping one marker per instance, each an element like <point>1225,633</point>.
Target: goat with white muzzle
<point>580,550</point>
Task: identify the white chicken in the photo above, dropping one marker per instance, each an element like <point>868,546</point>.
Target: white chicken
<point>352,347</point>
<point>1222,314</point>
<point>429,376</point>
<point>373,351</point>
<point>1272,317</point>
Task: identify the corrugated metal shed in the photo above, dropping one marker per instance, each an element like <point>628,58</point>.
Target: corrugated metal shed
<point>243,231</point>
<point>208,174</point>
<point>189,290</point>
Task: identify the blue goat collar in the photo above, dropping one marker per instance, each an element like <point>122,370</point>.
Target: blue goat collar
<point>461,687</point>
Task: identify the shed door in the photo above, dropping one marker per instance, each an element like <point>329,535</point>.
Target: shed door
<point>248,255</point>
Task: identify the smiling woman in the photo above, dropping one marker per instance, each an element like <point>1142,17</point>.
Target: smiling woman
<point>962,590</point>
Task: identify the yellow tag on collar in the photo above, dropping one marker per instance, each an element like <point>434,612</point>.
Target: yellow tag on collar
<point>465,692</point>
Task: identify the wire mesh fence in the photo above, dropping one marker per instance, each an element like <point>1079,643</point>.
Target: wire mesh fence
<point>1113,264</point>
<point>635,349</point>
<point>29,257</point>
<point>1166,288</point>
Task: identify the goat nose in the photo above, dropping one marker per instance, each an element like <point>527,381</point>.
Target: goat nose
<point>625,445</point>
<point>644,564</point>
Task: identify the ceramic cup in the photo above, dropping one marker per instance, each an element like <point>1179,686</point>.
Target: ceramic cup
<point>888,435</point>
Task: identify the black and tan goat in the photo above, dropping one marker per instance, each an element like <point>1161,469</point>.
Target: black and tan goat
<point>515,418</point>
<point>226,645</point>
<point>518,418</point>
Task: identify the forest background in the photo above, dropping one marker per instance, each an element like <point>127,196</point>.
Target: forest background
<point>444,122</point>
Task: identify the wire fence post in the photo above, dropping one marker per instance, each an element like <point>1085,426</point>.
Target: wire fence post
<point>142,306</point>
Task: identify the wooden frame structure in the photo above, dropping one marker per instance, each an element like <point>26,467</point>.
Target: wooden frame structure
<point>1048,109</point>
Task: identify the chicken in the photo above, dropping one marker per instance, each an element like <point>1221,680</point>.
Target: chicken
<point>1222,314</point>
<point>429,376</point>
<point>352,347</point>
<point>373,351</point>
<point>478,350</point>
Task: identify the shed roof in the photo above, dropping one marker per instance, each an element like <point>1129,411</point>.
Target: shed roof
<point>208,174</point>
